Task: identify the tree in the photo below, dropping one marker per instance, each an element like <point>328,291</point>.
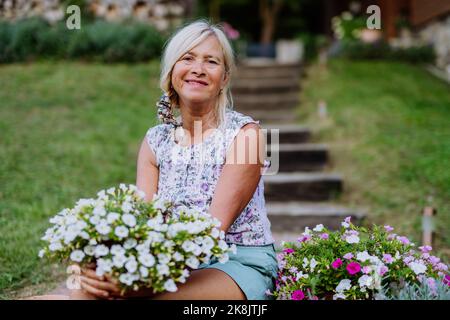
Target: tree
<point>268,12</point>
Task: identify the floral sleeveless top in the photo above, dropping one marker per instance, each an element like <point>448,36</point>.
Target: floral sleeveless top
<point>189,174</point>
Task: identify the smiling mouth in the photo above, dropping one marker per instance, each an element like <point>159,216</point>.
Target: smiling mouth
<point>196,82</point>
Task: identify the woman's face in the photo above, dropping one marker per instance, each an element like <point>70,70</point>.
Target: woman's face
<point>199,75</point>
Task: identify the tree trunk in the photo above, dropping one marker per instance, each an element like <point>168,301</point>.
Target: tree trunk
<point>268,12</point>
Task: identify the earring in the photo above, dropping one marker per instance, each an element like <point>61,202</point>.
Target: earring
<point>165,113</point>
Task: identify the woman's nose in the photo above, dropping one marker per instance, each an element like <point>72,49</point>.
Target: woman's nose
<point>197,67</point>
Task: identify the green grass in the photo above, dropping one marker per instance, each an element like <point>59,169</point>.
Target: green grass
<point>67,131</point>
<point>388,127</point>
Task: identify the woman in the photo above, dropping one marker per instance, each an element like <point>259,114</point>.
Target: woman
<point>202,162</point>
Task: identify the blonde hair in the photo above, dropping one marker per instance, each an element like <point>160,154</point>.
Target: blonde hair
<point>183,41</point>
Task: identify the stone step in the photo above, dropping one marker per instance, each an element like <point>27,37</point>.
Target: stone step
<point>294,157</point>
<point>287,133</point>
<point>294,216</point>
<point>270,117</point>
<point>267,69</point>
<point>301,186</point>
<point>266,101</point>
<point>289,219</point>
<point>265,85</point>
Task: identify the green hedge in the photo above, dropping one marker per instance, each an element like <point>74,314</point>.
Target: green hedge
<point>383,51</point>
<point>34,38</point>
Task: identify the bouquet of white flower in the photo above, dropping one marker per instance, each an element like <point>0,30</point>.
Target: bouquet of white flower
<point>144,245</point>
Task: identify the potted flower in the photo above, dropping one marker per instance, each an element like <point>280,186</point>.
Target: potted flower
<point>354,263</point>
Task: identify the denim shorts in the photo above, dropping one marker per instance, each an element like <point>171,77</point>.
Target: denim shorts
<point>253,268</point>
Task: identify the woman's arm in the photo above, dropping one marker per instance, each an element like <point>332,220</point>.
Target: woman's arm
<point>240,175</point>
<point>147,171</point>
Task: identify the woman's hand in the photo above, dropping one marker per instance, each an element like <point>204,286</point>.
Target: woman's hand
<point>101,287</point>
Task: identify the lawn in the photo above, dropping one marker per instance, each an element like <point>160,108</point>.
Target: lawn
<point>67,131</point>
<point>388,127</point>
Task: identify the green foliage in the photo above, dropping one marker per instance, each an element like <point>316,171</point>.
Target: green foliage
<point>354,49</point>
<point>99,40</point>
<point>426,290</point>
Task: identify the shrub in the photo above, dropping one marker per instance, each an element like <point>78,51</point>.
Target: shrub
<point>100,40</point>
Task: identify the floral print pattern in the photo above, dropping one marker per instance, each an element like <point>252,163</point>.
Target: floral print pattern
<point>189,174</point>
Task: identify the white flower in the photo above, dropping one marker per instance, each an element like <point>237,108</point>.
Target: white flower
<point>103,228</point>
<point>313,264</point>
<point>131,265</point>
<point>365,281</point>
<point>345,224</point>
<point>99,211</point>
<point>130,243</point>
<point>111,190</point>
<point>119,260</point>
<point>192,262</point>
<point>178,256</point>
<point>84,235</point>
<point>55,246</point>
<point>318,228</point>
<point>121,231</point>
<point>344,285</point>
<point>129,220</point>
<point>170,285</point>
<point>417,267</point>
<point>123,187</point>
<point>362,256</point>
<point>163,258</point>
<point>159,204</point>
<point>305,262</point>
<point>77,255</point>
<point>41,253</point>
<point>188,246</point>
<point>224,258</point>
<point>101,250</point>
<point>89,250</point>
<point>215,233</point>
<point>352,239</point>
<point>112,216</point>
<point>141,194</point>
<point>117,249</point>
<point>233,248</point>
<point>197,250</point>
<point>143,271</point>
<point>147,259</point>
<point>307,231</point>
<point>163,269</point>
<point>94,220</point>
<point>300,275</point>
<point>127,207</point>
<point>338,296</point>
<point>126,278</point>
<point>223,245</point>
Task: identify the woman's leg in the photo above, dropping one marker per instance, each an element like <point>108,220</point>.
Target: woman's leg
<point>205,284</point>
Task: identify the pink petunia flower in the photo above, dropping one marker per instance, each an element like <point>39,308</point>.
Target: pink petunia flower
<point>403,240</point>
<point>353,268</point>
<point>336,264</point>
<point>288,250</point>
<point>304,238</point>
<point>366,269</point>
<point>383,270</point>
<point>387,258</point>
<point>388,228</point>
<point>447,279</point>
<point>297,295</point>
<point>324,236</point>
<point>348,256</point>
<point>425,249</point>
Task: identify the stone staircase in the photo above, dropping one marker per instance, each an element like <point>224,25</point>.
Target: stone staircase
<point>305,190</point>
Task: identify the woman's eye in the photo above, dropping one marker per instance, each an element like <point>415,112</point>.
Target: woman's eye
<point>187,58</point>
<point>212,61</point>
